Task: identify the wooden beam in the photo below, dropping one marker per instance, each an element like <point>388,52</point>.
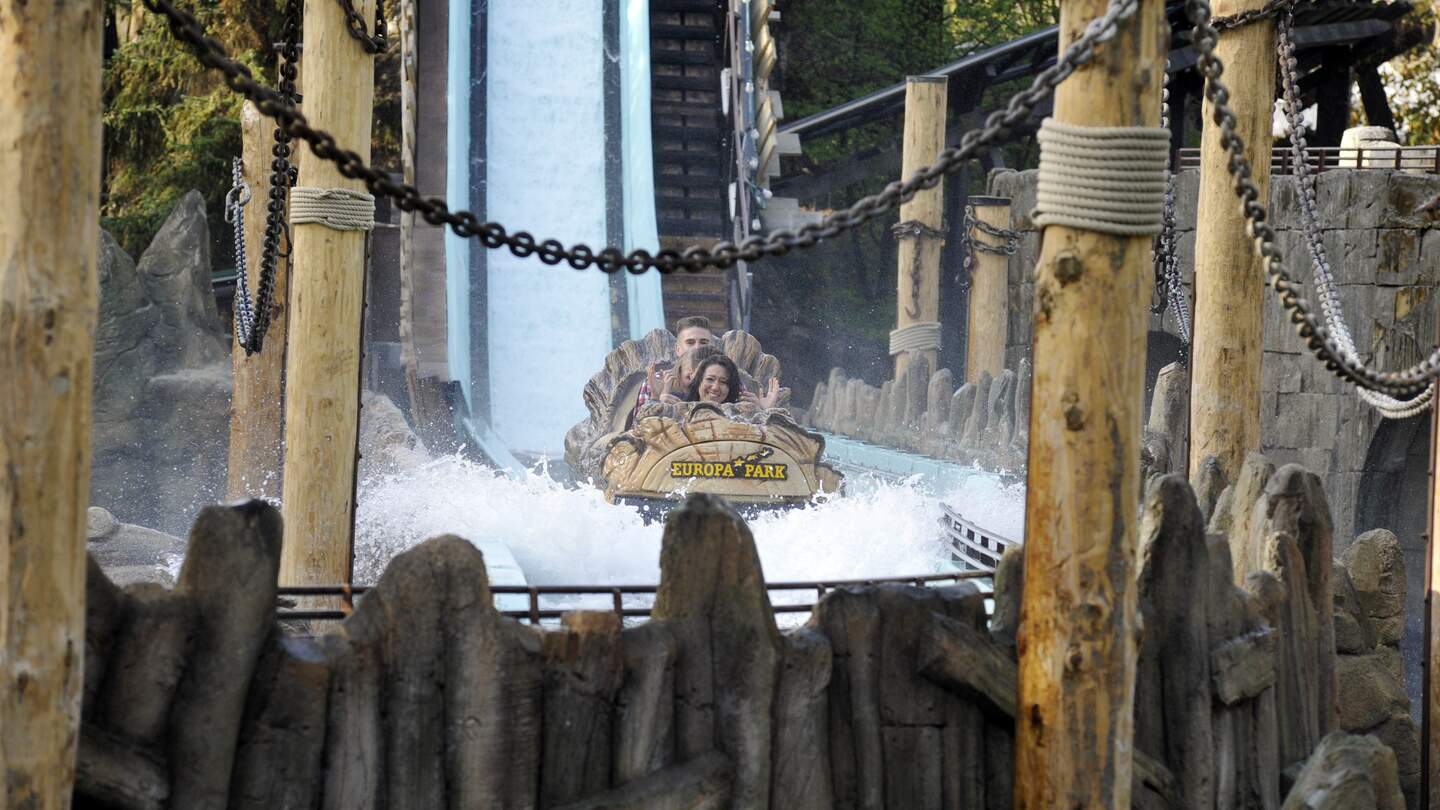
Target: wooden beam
<point>989,293</point>
<point>256,404</point>
<point>918,288</point>
<point>1229,283</point>
<point>49,245</point>
<point>322,400</point>
<point>1077,640</point>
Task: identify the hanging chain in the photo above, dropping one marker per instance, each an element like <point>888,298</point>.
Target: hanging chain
<point>1010,242</point>
<point>235,201</point>
<point>1169,287</point>
<point>356,25</point>
<point>611,259</point>
<point>1325,289</point>
<point>1316,335</point>
<point>252,319</point>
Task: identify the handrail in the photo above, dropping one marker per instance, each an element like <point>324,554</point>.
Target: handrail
<point>534,612</point>
<point>1423,159</point>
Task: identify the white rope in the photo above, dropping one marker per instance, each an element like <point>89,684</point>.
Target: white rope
<point>917,337</point>
<point>1106,179</point>
<point>339,208</point>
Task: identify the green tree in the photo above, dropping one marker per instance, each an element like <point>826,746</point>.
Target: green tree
<point>1412,80</point>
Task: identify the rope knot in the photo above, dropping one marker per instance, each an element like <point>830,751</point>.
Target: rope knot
<point>342,209</point>
<point>1106,179</point>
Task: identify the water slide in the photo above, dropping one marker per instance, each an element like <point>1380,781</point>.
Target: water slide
<point>549,130</point>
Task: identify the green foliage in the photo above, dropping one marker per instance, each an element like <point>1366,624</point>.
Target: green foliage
<point>1412,81</point>
<point>170,125</point>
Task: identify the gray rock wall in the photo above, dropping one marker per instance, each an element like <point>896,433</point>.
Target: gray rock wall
<point>1387,262</point>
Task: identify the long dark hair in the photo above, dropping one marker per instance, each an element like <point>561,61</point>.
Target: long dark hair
<point>693,395</point>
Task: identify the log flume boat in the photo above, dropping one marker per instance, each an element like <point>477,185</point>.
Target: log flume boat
<point>754,457</point>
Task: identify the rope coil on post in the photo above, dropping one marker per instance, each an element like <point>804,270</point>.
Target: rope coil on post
<point>1105,179</point>
<point>341,209</point>
<point>917,337</point>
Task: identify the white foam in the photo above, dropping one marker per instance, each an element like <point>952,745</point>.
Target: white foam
<point>570,535</point>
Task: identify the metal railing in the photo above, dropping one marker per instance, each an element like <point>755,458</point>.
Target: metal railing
<point>534,613</point>
<point>1421,159</point>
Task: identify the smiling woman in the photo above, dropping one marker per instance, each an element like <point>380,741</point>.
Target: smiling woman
<point>716,380</point>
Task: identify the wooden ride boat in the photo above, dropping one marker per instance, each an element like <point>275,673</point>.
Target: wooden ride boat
<point>755,458</point>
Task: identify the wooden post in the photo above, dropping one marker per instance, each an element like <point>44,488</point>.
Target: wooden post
<point>49,245</point>
<point>409,361</point>
<point>1077,638</point>
<point>918,290</point>
<point>256,404</point>
<point>322,398</point>
<point>989,293</point>
<point>1430,709</point>
<point>1229,284</point>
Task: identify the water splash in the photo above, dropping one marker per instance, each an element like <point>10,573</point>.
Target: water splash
<point>569,535</point>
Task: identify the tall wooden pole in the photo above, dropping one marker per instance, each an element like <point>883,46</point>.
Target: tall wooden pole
<point>256,404</point>
<point>918,289</point>
<point>322,396</point>
<point>989,293</point>
<point>1077,637</point>
<point>1430,710</point>
<point>49,241</point>
<point>1229,285</point>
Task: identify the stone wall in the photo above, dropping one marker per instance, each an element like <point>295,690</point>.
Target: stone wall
<point>889,697</point>
<point>1384,255</point>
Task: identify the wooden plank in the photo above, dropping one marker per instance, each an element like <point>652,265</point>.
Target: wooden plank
<point>1229,289</point>
<point>256,401</point>
<point>322,398</point>
<point>1078,654</point>
<point>989,294</point>
<point>1241,668</point>
<point>918,253</point>
<point>49,249</point>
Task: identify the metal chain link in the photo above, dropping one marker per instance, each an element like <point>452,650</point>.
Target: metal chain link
<point>1325,288</point>
<point>252,320</point>
<point>356,25</point>
<point>1011,242</point>
<point>235,201</point>
<point>1271,9</point>
<point>611,259</point>
<point>1316,335</point>
<point>1169,287</point>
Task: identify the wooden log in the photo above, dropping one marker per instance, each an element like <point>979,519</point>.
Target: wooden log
<point>1256,782</point>
<point>1235,519</point>
<point>962,775</point>
<point>582,671</point>
<point>802,777</point>
<point>1241,668</point>
<point>117,773</point>
<point>989,293</point>
<point>1174,558</point>
<point>1223,621</point>
<point>702,783</point>
<point>961,658</point>
<point>1294,504</point>
<point>230,570</point>
<point>912,767</point>
<point>256,399</point>
<point>852,623</point>
<point>354,753</point>
<point>713,592</point>
<point>1229,280</point>
<point>645,706</point>
<point>278,765</point>
<point>918,250</point>
<point>103,612</point>
<point>1078,633</point>
<point>1286,608</point>
<point>1009,587</point>
<point>452,667</point>
<point>148,659</point>
<point>322,397</point>
<point>50,138</point>
<point>1000,765</point>
<point>1208,483</point>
